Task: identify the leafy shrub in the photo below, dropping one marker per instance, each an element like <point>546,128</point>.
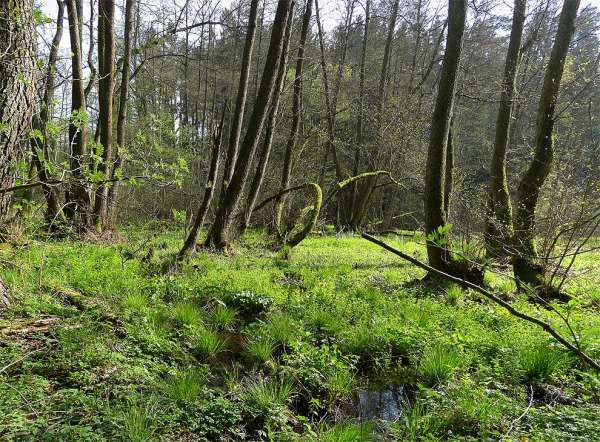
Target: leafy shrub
<point>248,304</point>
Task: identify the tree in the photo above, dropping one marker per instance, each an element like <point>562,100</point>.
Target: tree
<point>526,268</point>
<point>123,100</point>
<point>41,143</point>
<point>435,172</point>
<point>499,223</point>
<point>219,234</point>
<point>77,197</point>
<point>106,67</point>
<point>286,170</point>
<point>240,104</point>
<point>17,87</point>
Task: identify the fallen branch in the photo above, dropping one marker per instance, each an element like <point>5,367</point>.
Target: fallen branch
<point>544,325</point>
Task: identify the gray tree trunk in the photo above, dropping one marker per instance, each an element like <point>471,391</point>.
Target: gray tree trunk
<point>435,173</point>
<point>17,87</point>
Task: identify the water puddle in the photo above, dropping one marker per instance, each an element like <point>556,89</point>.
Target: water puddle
<point>382,404</point>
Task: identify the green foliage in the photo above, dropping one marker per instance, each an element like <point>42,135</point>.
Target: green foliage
<point>187,314</point>
<point>185,386</point>
<point>249,304</point>
<point>207,344</point>
<point>438,364</point>
<point>260,350</point>
<point>222,318</point>
<point>540,362</point>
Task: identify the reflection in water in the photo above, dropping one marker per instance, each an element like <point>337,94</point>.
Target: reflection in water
<point>383,404</point>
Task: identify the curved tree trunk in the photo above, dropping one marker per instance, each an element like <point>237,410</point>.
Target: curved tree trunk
<point>499,229</point>
<point>526,269</point>
<point>219,235</point>
<point>17,87</point>
<point>435,173</point>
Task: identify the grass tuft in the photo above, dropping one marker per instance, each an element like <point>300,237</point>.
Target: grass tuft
<point>439,364</point>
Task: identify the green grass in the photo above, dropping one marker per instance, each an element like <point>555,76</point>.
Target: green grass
<point>268,347</point>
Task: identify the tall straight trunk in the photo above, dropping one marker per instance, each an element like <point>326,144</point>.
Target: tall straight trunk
<point>90,55</point>
<point>328,101</point>
<point>219,234</point>
<point>271,123</point>
<point>363,196</point>
<point>240,103</point>
<point>123,101</point>
<point>17,87</point>
<point>526,268</point>
<point>189,245</point>
<point>449,178</point>
<point>360,137</point>
<point>499,229</point>
<point>41,148</point>
<point>78,200</point>
<point>435,172</point>
<point>106,58</point>
<point>286,171</point>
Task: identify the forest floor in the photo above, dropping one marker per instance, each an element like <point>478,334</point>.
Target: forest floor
<point>337,343</point>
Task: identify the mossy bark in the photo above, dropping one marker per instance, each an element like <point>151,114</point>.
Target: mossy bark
<point>499,229</point>
<point>526,267</point>
<point>435,214</point>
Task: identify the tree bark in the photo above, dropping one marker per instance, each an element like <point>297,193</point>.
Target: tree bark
<point>17,87</point>
<point>286,171</point>
<point>526,268</point>
<point>189,245</point>
<point>499,229</point>
<point>268,139</point>
<point>123,102</point>
<point>240,103</point>
<point>219,235</point>
<point>41,147</point>
<point>435,173</point>
<point>106,65</point>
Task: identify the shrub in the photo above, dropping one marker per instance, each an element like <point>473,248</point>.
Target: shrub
<point>249,305</point>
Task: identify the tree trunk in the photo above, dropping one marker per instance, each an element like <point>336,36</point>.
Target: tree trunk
<point>219,234</point>
<point>77,204</point>
<point>499,229</point>
<point>41,148</point>
<point>190,243</point>
<point>106,65</point>
<point>435,173</point>
<point>286,172</point>
<point>240,103</point>
<point>526,268</point>
<point>123,104</point>
<point>17,87</point>
<point>271,123</point>
<point>363,195</point>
